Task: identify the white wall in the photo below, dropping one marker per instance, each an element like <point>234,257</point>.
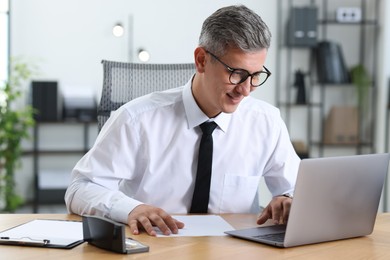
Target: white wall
<point>68,39</point>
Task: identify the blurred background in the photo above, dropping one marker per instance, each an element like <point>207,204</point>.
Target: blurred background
<point>329,62</point>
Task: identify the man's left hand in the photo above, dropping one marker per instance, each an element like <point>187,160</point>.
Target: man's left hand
<point>278,210</point>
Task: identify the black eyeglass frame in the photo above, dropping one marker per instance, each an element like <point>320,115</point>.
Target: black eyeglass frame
<point>233,70</point>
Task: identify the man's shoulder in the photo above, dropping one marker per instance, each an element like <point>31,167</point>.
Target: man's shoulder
<point>154,100</point>
<point>259,106</point>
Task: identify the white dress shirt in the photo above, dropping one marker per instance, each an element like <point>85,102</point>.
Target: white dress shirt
<point>147,152</point>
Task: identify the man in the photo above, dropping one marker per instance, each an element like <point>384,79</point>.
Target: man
<point>143,165</point>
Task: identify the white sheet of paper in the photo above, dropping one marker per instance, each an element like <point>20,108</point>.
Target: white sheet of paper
<point>204,225</point>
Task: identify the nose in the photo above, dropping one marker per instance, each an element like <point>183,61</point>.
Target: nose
<point>244,88</point>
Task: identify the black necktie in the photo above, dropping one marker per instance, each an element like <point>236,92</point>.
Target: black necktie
<point>200,199</point>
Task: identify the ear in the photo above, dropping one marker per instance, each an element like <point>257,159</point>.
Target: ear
<point>200,59</point>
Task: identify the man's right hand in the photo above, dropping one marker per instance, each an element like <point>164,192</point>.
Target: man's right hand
<point>146,217</point>
<point>278,210</point>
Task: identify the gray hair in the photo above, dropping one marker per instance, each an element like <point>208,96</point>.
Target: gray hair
<point>234,27</point>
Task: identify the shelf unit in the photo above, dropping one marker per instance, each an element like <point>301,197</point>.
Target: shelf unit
<point>50,184</point>
<point>321,97</point>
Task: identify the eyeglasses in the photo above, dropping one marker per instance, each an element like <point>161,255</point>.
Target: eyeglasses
<point>238,76</point>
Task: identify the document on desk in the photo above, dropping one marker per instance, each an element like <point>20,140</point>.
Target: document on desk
<point>45,233</point>
<point>203,225</point>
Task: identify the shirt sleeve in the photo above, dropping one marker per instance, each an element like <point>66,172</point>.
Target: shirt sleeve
<point>96,178</point>
<point>282,168</point>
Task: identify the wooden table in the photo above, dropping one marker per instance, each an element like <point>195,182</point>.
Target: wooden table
<point>375,246</point>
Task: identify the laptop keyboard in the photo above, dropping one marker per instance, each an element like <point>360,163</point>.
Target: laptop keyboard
<point>278,237</point>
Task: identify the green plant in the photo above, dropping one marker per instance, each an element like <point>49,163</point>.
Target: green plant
<point>14,126</point>
<point>362,82</point>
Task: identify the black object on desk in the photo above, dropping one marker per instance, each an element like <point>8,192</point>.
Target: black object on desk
<point>110,235</point>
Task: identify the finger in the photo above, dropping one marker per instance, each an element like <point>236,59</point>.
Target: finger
<point>173,224</point>
<point>133,224</point>
<point>277,217</point>
<point>159,222</point>
<point>264,216</point>
<point>179,224</point>
<point>286,210</point>
<point>147,225</point>
<point>281,219</point>
<point>277,213</point>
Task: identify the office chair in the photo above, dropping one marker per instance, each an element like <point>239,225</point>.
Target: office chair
<point>124,81</point>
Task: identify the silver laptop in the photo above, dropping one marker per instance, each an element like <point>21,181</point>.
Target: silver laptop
<point>335,198</point>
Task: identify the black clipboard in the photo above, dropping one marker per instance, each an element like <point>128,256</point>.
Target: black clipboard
<point>63,234</point>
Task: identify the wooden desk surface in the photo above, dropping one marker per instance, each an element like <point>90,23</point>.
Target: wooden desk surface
<point>374,246</point>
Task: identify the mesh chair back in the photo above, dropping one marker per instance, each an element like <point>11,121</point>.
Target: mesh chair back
<point>124,81</point>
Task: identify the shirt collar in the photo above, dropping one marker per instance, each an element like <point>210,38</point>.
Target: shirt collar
<point>195,115</point>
